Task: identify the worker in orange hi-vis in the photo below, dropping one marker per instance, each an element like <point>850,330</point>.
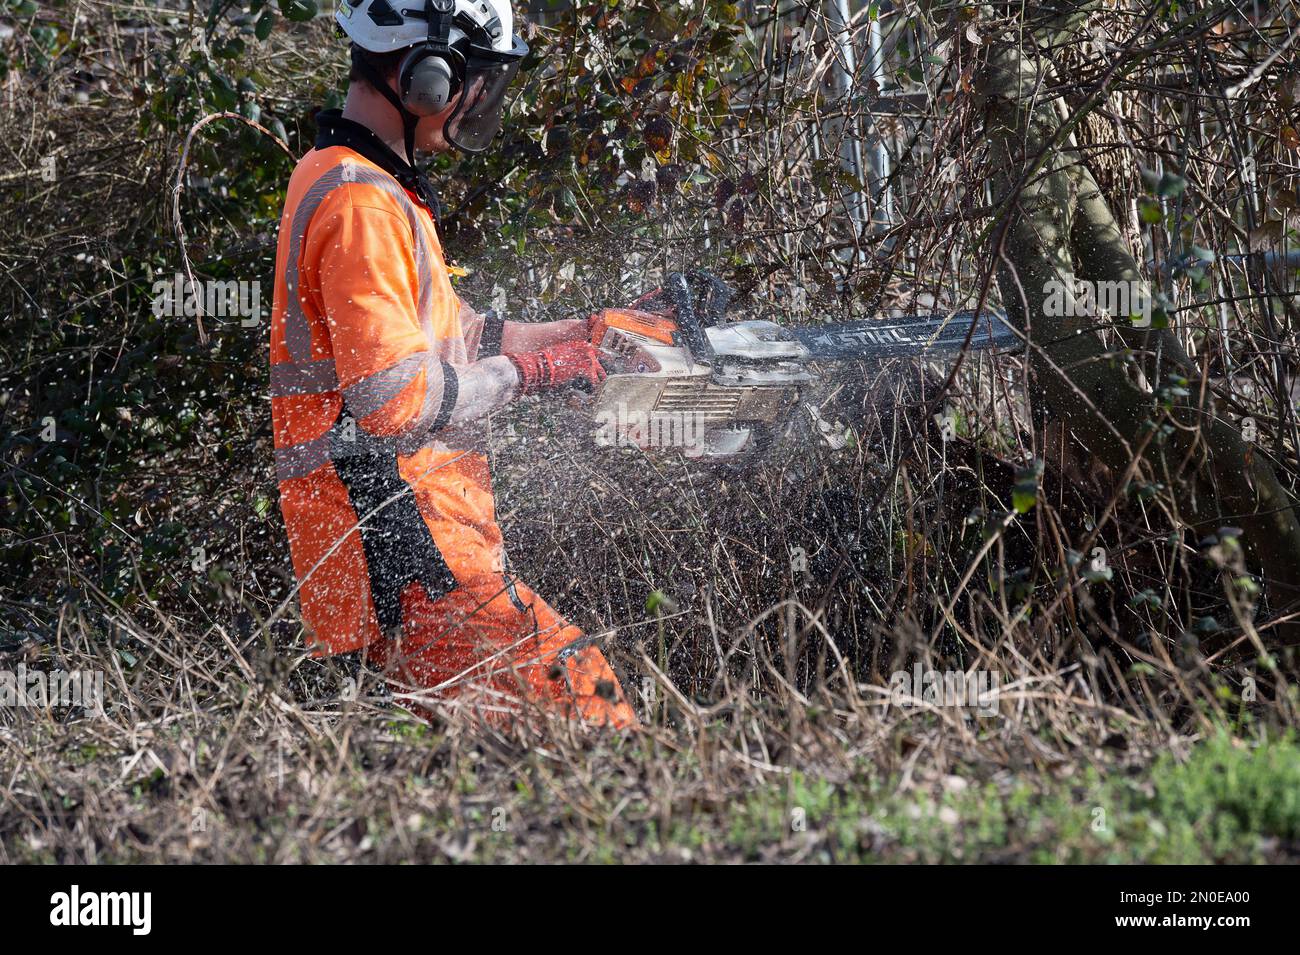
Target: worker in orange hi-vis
<point>381,376</point>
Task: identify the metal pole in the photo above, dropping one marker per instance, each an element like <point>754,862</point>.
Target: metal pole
<point>839,16</point>
<point>883,213</point>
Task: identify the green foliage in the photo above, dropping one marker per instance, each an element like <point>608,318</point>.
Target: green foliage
<point>299,10</point>
<point>1231,791</point>
<point>112,394</point>
<point>617,105</point>
<point>1024,495</point>
<point>1230,801</point>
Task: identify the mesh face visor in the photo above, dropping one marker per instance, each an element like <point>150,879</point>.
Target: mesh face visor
<point>488,75</point>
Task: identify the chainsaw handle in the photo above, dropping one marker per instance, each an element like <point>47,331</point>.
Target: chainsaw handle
<point>717,296</point>
<point>678,288</point>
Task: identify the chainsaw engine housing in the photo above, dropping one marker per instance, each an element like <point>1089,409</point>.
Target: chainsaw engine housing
<point>659,396</point>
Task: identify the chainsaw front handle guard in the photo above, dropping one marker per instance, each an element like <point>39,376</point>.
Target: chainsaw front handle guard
<point>717,296</point>
<point>678,289</point>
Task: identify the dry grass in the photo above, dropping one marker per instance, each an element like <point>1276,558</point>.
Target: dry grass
<point>210,750</point>
<point>221,741</point>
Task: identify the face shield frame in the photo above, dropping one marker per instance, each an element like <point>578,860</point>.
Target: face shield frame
<point>476,118</point>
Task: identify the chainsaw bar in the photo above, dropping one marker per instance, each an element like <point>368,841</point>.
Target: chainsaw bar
<point>925,335</point>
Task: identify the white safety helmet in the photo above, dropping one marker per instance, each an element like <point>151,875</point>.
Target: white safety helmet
<point>455,46</point>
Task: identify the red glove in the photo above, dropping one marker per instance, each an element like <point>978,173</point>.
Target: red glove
<point>569,363</point>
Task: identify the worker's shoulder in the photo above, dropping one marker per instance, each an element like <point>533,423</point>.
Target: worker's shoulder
<point>339,178</point>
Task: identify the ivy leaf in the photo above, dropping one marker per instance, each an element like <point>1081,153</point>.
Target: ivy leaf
<point>223,92</point>
<point>265,24</point>
<point>1024,494</point>
<point>658,133</point>
<point>735,216</point>
<point>1170,186</point>
<point>298,10</point>
<point>1097,575</point>
<point>229,49</point>
<point>1023,501</point>
<point>1149,211</point>
<point>274,124</point>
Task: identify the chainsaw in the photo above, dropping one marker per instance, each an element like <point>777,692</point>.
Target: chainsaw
<point>681,377</point>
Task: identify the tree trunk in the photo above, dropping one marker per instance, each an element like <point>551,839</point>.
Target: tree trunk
<point>1059,227</point>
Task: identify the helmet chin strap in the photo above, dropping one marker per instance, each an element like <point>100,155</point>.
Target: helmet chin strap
<point>409,119</point>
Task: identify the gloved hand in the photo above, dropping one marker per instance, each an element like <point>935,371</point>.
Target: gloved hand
<point>571,364</point>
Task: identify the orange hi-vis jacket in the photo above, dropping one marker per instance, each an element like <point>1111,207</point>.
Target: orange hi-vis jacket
<point>367,336</point>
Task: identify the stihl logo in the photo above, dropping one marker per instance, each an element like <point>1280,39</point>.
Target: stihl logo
<point>103,908</point>
<point>865,336</point>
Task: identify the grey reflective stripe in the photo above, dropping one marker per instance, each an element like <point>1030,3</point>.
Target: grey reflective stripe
<point>301,459</point>
<point>305,378</point>
<point>297,332</point>
<point>374,391</point>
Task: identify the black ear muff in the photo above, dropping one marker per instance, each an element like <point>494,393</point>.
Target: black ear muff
<point>427,82</point>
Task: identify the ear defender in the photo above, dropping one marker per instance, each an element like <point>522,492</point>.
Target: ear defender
<point>427,78</point>
<point>427,82</point>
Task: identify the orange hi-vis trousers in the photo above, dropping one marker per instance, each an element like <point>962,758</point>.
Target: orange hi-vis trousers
<point>490,643</point>
<point>477,647</point>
